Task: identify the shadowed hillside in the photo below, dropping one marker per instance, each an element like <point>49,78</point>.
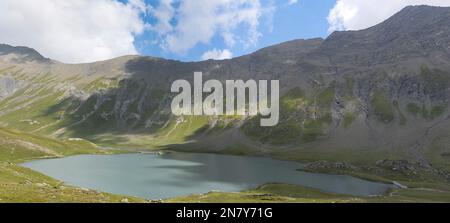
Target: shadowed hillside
<point>357,96</point>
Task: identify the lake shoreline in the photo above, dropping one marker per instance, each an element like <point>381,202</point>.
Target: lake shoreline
<point>250,164</point>
<point>292,193</point>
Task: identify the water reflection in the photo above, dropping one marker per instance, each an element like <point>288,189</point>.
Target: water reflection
<point>177,174</point>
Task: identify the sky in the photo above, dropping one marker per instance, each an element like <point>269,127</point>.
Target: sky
<point>84,31</point>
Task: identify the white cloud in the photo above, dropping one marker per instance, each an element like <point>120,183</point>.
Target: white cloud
<point>357,14</point>
<point>198,21</point>
<point>72,31</point>
<point>216,54</point>
<point>163,13</point>
<point>291,2</point>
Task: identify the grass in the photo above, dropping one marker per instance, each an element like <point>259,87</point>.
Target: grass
<point>349,86</point>
<point>437,111</point>
<point>382,107</point>
<point>325,98</point>
<point>270,193</point>
<point>422,187</point>
<point>177,131</point>
<point>19,184</point>
<point>27,109</point>
<point>302,119</point>
<point>430,114</point>
<point>289,129</point>
<point>357,156</point>
<point>349,118</point>
<point>313,129</point>
<point>101,84</point>
<point>18,146</point>
<point>276,193</point>
<point>286,132</point>
<point>413,109</point>
<point>435,80</point>
<point>403,119</point>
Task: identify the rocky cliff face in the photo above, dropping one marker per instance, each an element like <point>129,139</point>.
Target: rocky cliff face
<point>377,93</point>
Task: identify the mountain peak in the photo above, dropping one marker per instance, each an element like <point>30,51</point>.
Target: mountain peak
<point>25,53</point>
<point>421,8</point>
<point>417,28</point>
<point>417,17</point>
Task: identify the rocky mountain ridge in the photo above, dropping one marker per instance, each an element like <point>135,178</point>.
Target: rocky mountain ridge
<point>356,96</point>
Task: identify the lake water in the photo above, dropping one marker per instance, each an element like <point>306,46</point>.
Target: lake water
<point>155,176</point>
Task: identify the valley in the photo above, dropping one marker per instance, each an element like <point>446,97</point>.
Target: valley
<point>372,103</point>
<point>21,184</point>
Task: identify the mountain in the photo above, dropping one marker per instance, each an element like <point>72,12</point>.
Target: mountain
<point>357,96</point>
<point>21,54</point>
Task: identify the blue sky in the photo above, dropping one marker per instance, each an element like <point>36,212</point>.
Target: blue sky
<point>301,20</point>
<point>85,31</point>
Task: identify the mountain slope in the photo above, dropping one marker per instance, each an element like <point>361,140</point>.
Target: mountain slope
<point>357,96</point>
<point>19,184</point>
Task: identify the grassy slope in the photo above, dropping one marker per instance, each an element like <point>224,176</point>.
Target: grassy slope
<point>19,184</point>
<point>33,115</point>
<point>269,193</point>
<point>174,133</point>
<point>297,194</point>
